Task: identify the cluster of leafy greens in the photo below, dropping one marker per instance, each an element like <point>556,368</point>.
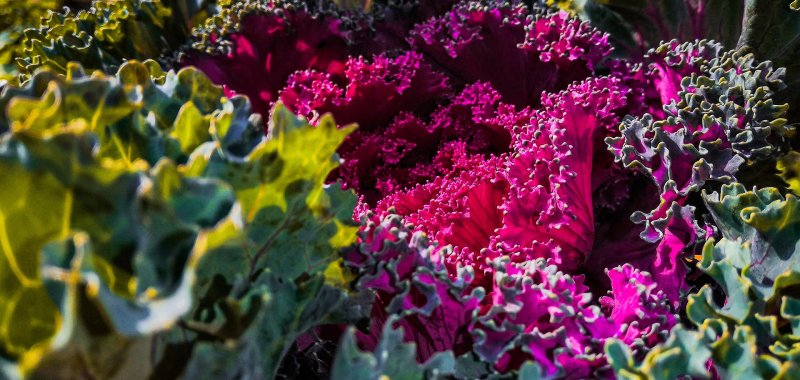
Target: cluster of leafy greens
<point>108,33</point>
<point>475,189</point>
<point>151,222</point>
<point>15,17</point>
<point>754,332</point>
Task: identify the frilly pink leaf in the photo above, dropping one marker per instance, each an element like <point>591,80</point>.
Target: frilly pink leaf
<point>403,83</point>
<point>520,52</point>
<point>540,313</point>
<point>407,273</point>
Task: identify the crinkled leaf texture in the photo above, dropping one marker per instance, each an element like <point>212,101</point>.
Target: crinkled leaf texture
<point>264,279</point>
<point>237,47</point>
<point>15,17</point>
<point>540,314</point>
<point>482,124</point>
<point>771,30</point>
<point>392,358</point>
<point>767,28</point>
<point>723,121</point>
<point>531,50</point>
<point>412,286</point>
<point>745,324</point>
<point>252,47</point>
<point>531,313</point>
<point>141,198</point>
<point>109,33</point>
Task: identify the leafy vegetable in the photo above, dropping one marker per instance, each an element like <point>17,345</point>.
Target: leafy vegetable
<point>723,119</point>
<point>546,189</point>
<point>15,17</point>
<point>104,36</point>
<point>146,209</point>
<point>753,266</point>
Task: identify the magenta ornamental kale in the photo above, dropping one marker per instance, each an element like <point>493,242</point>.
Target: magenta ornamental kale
<point>495,216</point>
<point>498,42</point>
<point>408,275</point>
<point>721,122</point>
<point>532,310</point>
<point>534,201</point>
<point>537,312</point>
<point>269,45</point>
<point>403,83</point>
<point>400,189</point>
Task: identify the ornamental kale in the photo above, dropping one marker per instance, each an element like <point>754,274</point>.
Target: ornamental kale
<point>479,159</point>
<point>139,212</point>
<point>15,17</point>
<point>109,33</point>
<point>720,122</point>
<point>532,311</point>
<point>753,334</point>
<point>340,189</point>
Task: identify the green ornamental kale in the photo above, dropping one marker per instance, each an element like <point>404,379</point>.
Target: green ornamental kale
<point>153,228</point>
<point>747,325</point>
<point>15,17</point>
<point>770,29</point>
<point>392,359</point>
<point>104,36</point>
